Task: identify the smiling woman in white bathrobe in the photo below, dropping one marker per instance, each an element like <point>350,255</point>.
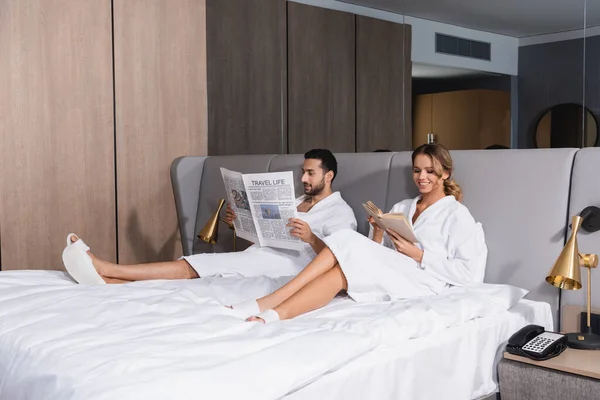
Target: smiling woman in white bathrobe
<point>451,251</point>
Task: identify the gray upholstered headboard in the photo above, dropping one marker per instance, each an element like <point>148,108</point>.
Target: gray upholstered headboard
<point>520,196</point>
<point>585,191</point>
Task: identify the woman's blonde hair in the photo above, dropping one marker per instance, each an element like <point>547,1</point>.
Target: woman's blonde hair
<point>442,162</point>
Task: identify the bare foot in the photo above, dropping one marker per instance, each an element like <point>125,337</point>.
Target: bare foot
<point>255,319</point>
<point>99,264</point>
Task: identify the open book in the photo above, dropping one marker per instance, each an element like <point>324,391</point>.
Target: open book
<point>263,204</point>
<point>394,221</point>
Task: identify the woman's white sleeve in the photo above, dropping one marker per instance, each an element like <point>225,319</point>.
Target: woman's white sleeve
<point>465,258</point>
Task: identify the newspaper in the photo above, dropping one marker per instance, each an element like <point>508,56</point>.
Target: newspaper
<point>263,204</point>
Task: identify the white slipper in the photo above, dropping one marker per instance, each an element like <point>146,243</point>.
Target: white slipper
<point>79,264</point>
<point>248,308</point>
<point>268,316</point>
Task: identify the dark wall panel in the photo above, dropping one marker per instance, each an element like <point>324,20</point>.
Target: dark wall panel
<point>380,95</point>
<point>246,76</point>
<point>592,75</point>
<point>433,85</point>
<point>549,74</point>
<point>321,73</point>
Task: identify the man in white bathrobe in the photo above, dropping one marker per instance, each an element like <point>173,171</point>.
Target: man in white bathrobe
<point>321,213</point>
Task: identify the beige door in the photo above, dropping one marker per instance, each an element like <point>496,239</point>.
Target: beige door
<point>468,119</point>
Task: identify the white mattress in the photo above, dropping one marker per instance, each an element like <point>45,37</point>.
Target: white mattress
<point>458,363</point>
<point>174,339</point>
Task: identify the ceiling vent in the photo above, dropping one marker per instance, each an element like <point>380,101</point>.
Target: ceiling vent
<point>462,47</point>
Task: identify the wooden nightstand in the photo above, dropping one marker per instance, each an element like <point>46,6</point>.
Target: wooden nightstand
<point>575,374</point>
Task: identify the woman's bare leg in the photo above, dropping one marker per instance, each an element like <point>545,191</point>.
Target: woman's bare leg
<point>315,294</point>
<point>178,269</point>
<point>322,263</point>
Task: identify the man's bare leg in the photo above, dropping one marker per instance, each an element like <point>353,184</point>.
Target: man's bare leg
<point>322,263</point>
<point>178,269</point>
<point>113,280</point>
<point>316,294</point>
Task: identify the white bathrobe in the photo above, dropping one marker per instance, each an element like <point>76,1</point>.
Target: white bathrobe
<point>454,253</point>
<point>326,217</point>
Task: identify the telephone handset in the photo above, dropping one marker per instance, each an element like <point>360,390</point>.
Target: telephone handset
<point>533,342</point>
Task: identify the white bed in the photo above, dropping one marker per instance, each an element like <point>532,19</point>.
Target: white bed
<point>160,339</point>
<point>457,363</point>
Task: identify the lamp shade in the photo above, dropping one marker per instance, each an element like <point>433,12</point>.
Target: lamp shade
<point>210,232</point>
<point>566,273</point>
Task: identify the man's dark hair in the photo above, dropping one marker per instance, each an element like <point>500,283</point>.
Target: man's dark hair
<point>328,161</point>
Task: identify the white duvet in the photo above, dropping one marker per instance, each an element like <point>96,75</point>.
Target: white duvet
<point>175,340</point>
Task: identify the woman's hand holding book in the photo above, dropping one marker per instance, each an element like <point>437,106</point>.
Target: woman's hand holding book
<point>405,247</point>
<point>377,231</point>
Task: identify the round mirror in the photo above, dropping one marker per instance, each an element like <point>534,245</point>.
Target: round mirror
<point>564,125</point>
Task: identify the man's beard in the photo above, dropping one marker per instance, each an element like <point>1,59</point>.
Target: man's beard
<point>315,190</point>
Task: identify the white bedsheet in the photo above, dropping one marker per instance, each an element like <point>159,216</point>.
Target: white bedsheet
<point>458,363</point>
<point>161,339</point>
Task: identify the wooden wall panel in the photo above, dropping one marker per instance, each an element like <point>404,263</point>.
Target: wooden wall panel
<point>494,118</point>
<point>160,85</point>
<point>456,119</point>
<point>542,135</point>
<point>380,75</point>
<point>246,49</point>
<point>464,119</point>
<point>56,130</point>
<point>423,119</point>
<point>321,79</point>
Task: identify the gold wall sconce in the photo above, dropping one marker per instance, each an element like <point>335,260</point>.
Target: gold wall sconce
<point>566,274</point>
<point>210,232</point>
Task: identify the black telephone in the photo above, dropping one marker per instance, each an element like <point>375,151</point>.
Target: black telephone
<point>533,342</point>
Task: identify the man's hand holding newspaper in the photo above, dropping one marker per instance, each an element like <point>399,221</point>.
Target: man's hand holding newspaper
<point>302,231</point>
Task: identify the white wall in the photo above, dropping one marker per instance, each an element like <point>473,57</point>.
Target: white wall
<point>504,55</point>
<point>505,49</point>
